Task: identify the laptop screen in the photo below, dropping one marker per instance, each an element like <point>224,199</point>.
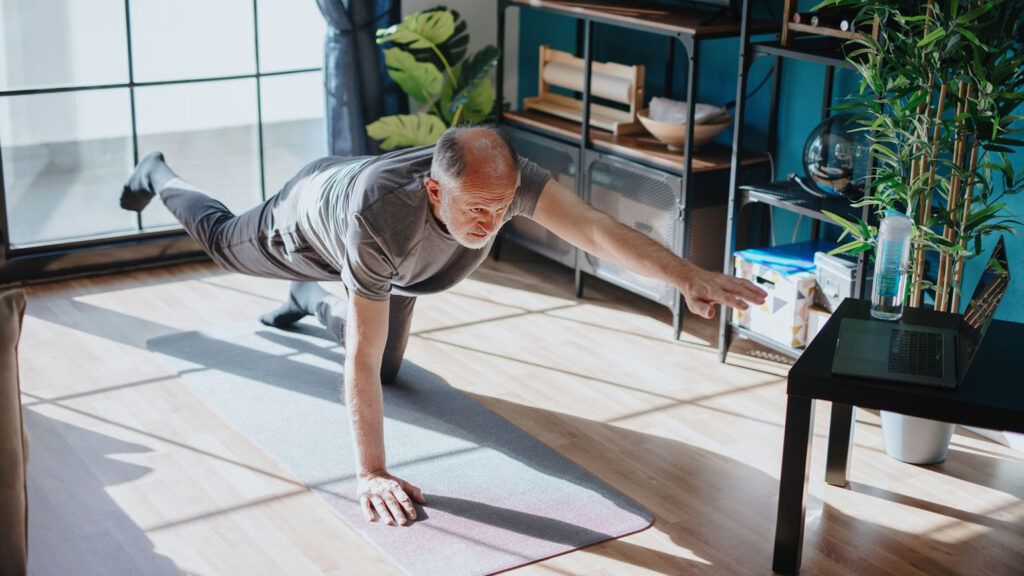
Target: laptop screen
<point>991,287</point>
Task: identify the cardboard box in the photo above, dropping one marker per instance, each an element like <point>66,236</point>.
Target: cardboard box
<point>816,318</point>
<point>787,273</point>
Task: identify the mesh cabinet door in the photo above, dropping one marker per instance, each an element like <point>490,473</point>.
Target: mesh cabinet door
<point>645,199</point>
<point>561,160</point>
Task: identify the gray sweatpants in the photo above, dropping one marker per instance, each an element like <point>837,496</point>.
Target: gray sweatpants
<point>251,243</point>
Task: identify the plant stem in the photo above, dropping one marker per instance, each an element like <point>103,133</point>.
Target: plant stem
<point>926,200</point>
<point>952,202</point>
<point>917,163</point>
<point>447,68</point>
<point>958,275</point>
<point>458,113</point>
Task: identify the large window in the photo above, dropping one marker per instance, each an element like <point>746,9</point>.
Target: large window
<point>230,90</point>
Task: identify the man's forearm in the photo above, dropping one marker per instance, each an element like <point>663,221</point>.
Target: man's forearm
<point>638,253</point>
<point>366,416</point>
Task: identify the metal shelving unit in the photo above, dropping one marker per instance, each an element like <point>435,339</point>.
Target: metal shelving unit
<point>828,52</point>
<point>676,213</point>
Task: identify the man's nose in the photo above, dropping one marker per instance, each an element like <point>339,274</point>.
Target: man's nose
<point>490,223</point>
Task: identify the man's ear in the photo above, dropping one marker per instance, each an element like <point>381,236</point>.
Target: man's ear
<point>433,190</point>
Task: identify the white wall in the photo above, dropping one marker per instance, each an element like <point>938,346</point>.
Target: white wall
<point>50,43</point>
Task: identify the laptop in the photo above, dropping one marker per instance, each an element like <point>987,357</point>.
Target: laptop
<point>904,352</point>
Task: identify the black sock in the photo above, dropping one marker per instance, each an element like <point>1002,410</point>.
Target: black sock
<point>302,301</point>
<point>146,180</point>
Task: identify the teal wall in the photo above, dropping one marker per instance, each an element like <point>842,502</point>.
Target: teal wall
<point>800,108</point>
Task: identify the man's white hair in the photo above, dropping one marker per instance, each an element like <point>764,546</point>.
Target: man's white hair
<point>452,150</point>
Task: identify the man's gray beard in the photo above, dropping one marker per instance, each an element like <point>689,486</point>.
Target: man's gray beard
<point>473,243</point>
<point>464,241</point>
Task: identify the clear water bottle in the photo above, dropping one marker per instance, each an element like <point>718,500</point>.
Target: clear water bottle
<point>892,254</point>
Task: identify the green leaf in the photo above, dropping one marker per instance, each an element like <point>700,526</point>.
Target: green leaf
<point>420,80</point>
<point>982,215</point>
<point>406,130</point>
<point>970,36</point>
<point>480,104</point>
<point>1009,142</point>
<point>931,37</point>
<point>420,30</point>
<point>473,73</point>
<point>453,49</point>
<point>973,14</point>
<point>849,246</point>
<point>853,229</point>
<point>997,148</point>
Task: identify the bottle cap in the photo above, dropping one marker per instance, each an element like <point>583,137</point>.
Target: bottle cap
<point>895,223</point>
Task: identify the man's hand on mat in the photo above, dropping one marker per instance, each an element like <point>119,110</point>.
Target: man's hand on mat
<point>387,496</point>
<point>705,289</point>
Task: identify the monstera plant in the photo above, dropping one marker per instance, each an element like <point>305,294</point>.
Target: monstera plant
<point>427,57</point>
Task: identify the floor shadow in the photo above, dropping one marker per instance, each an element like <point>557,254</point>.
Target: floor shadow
<point>70,469</point>
<point>715,505</point>
<point>991,471</point>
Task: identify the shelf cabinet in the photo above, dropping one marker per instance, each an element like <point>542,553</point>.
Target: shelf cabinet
<point>785,195</point>
<point>562,161</point>
<point>678,198</point>
<point>645,199</point>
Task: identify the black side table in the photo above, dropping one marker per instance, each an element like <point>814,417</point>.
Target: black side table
<point>991,396</point>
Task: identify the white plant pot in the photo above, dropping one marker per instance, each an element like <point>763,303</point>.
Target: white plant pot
<point>915,440</point>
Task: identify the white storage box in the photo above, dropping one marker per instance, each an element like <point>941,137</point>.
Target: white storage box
<point>837,277</point>
<point>787,274</point>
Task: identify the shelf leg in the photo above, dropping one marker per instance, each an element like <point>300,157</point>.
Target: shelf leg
<point>724,330</point>
<point>677,315</point>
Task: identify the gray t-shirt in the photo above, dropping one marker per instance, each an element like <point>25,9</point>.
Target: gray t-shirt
<point>370,218</point>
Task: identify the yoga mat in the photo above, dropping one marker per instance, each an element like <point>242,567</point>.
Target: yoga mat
<point>496,497</point>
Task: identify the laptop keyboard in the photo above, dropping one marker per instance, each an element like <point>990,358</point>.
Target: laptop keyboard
<point>916,352</point>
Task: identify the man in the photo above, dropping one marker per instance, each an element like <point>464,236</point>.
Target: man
<point>390,228</point>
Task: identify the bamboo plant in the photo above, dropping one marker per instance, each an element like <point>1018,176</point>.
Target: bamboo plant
<point>939,90</point>
<point>428,59</point>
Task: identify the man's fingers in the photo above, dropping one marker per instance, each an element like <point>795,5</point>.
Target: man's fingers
<point>752,292</point>
<point>395,508</point>
<point>733,301</point>
<point>382,509</point>
<point>364,503</point>
<point>701,308</point>
<point>415,492</point>
<point>405,502</point>
<point>743,288</point>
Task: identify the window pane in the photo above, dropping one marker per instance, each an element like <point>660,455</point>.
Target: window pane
<point>47,43</point>
<point>291,35</point>
<point>293,125</point>
<point>65,158</point>
<point>179,39</point>
<point>207,132</point>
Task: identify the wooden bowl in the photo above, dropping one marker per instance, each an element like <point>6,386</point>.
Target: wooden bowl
<point>674,135</point>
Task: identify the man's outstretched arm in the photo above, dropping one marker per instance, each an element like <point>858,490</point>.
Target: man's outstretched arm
<point>564,213</point>
<point>380,493</point>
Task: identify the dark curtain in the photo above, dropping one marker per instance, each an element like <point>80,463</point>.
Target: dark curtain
<point>355,80</point>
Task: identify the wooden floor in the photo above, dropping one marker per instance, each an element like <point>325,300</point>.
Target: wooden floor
<point>132,474</point>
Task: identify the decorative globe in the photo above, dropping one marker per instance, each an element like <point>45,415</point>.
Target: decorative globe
<point>836,155</point>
